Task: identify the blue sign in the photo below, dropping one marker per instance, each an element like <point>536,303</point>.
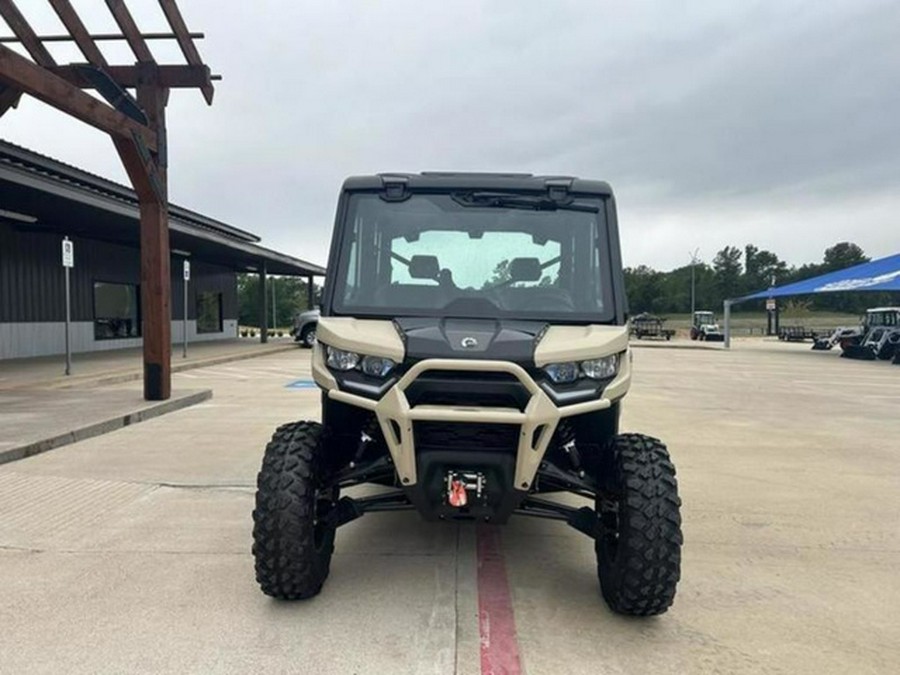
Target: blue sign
<point>302,384</point>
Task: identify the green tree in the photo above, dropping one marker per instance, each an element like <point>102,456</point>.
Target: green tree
<point>642,285</point>
<point>290,299</point>
<point>843,255</point>
<point>499,276</point>
<point>762,269</point>
<point>727,266</point>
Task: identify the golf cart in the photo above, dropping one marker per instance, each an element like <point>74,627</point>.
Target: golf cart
<point>472,353</point>
<point>704,327</point>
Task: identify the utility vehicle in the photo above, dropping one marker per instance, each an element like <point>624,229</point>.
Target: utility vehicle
<point>705,327</point>
<point>880,343</point>
<point>472,353</point>
<point>874,338</point>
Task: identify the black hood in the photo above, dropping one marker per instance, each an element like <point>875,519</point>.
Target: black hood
<point>485,339</point>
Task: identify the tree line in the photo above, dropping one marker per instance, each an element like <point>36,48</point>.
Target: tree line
<point>290,299</point>
<point>736,272</point>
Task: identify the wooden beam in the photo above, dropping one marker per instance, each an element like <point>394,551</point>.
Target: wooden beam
<point>130,30</point>
<point>74,25</point>
<point>129,77</point>
<point>176,21</point>
<point>22,74</point>
<point>103,37</point>
<point>9,98</point>
<point>25,33</point>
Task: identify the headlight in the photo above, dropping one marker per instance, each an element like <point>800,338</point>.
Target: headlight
<point>562,373</point>
<point>376,366</point>
<point>341,360</point>
<point>596,369</point>
<point>600,369</point>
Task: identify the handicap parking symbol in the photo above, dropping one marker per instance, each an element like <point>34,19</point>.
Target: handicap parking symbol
<point>301,384</point>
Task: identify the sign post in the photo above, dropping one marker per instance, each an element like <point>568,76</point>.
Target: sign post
<point>771,316</point>
<point>184,309</point>
<point>68,261</point>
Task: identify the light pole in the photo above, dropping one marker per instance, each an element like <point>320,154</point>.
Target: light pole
<point>694,259</point>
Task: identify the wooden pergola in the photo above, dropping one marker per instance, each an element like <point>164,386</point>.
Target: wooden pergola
<point>136,124</point>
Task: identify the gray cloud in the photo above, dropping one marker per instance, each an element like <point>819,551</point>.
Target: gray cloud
<point>769,122</point>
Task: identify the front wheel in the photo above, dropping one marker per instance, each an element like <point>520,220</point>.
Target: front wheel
<point>293,535</point>
<point>638,544</point>
<point>308,336</point>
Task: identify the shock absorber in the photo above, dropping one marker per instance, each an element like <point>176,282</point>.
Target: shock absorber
<point>367,435</point>
<point>566,439</point>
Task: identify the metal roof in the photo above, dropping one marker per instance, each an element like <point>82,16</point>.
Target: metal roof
<point>45,187</point>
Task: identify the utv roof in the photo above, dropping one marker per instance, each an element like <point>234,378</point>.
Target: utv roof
<point>441,180</point>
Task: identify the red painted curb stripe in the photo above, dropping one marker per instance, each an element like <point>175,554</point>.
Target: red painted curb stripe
<point>496,623</point>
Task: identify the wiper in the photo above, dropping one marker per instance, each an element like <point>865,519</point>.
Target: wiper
<point>514,201</point>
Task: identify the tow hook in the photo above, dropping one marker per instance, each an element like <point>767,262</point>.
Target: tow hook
<point>460,483</point>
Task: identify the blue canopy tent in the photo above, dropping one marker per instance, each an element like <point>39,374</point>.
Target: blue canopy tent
<point>878,275</point>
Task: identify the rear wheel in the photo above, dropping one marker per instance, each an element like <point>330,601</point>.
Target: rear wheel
<point>293,536</point>
<point>638,544</point>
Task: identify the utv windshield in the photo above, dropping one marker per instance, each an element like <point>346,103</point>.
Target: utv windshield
<point>474,254</point>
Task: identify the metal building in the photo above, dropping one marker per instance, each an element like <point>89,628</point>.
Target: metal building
<point>43,200</point>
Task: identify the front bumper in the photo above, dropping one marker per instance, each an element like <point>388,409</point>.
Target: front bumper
<point>537,422</point>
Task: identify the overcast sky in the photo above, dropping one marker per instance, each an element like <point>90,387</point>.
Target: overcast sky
<point>773,123</point>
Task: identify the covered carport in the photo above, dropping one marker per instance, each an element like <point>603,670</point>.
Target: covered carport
<point>877,275</point>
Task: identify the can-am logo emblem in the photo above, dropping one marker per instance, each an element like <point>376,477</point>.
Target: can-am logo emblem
<point>468,342</point>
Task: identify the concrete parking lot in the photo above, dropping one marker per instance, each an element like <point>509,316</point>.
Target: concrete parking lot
<point>130,552</point>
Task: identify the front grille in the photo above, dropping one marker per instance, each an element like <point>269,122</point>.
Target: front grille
<point>461,436</point>
<point>467,388</point>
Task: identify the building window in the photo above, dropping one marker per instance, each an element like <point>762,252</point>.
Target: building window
<point>117,311</point>
<point>209,312</point>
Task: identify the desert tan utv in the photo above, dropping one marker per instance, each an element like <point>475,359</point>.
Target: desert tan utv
<point>472,354</point>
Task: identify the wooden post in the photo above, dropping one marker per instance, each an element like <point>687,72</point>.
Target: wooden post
<point>310,294</point>
<point>156,301</point>
<point>263,306</point>
<point>156,280</point>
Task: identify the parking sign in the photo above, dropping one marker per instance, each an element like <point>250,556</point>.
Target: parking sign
<point>68,253</point>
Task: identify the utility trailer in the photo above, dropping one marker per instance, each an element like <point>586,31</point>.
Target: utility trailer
<point>650,326</point>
